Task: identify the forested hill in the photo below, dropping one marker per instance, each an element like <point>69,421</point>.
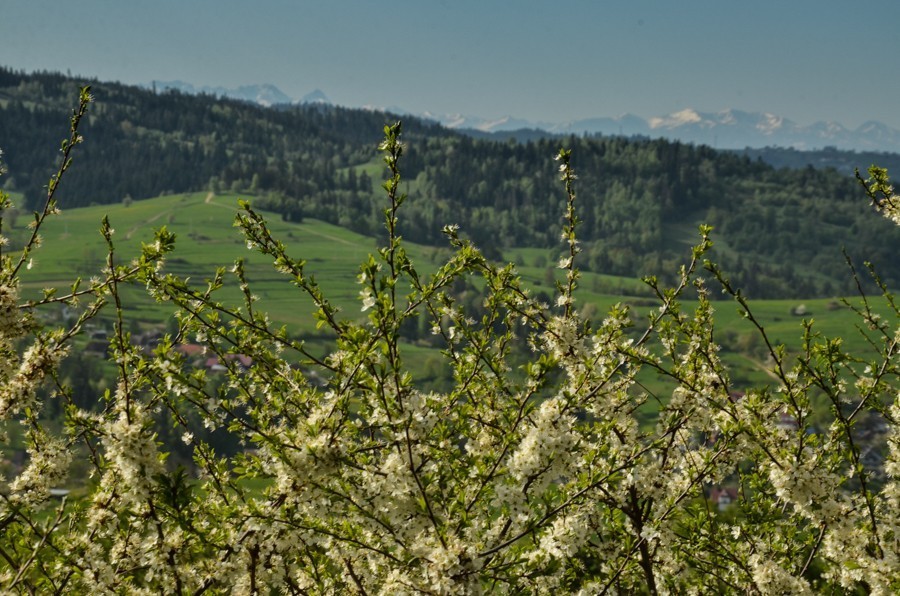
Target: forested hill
<point>778,231</point>
<point>143,144</point>
<point>829,157</point>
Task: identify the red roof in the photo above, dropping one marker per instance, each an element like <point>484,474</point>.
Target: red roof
<point>191,350</point>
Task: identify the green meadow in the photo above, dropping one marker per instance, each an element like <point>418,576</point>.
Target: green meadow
<point>206,239</point>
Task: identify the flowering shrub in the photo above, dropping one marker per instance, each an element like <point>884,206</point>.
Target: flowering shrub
<point>520,479</point>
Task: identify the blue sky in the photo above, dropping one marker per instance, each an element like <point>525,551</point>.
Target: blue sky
<point>806,60</point>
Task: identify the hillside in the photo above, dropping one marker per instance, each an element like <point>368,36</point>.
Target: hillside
<point>206,240</point>
<point>779,232</point>
<point>844,162</point>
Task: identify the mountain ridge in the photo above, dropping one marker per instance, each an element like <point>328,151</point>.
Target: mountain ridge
<point>726,129</point>
<point>264,94</point>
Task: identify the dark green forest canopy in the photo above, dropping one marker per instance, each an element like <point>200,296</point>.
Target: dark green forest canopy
<point>779,232</point>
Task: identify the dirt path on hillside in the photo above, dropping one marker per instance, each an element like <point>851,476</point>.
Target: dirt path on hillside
<point>761,366</point>
<point>209,201</point>
<point>144,223</point>
<point>329,237</point>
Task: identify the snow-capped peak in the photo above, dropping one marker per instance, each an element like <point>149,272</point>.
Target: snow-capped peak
<point>676,119</point>
<point>315,97</point>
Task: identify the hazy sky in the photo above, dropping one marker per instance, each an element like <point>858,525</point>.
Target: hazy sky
<point>806,60</point>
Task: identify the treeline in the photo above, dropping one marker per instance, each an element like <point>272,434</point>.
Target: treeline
<point>780,232</point>
<point>143,144</point>
<point>828,157</point>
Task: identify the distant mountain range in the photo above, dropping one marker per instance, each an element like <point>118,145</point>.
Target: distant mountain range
<point>727,129</point>
<point>265,95</point>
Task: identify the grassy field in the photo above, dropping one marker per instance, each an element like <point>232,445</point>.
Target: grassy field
<point>206,239</point>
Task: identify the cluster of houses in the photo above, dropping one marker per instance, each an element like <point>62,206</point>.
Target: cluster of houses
<point>147,341</point>
<point>199,356</point>
<point>12,461</point>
